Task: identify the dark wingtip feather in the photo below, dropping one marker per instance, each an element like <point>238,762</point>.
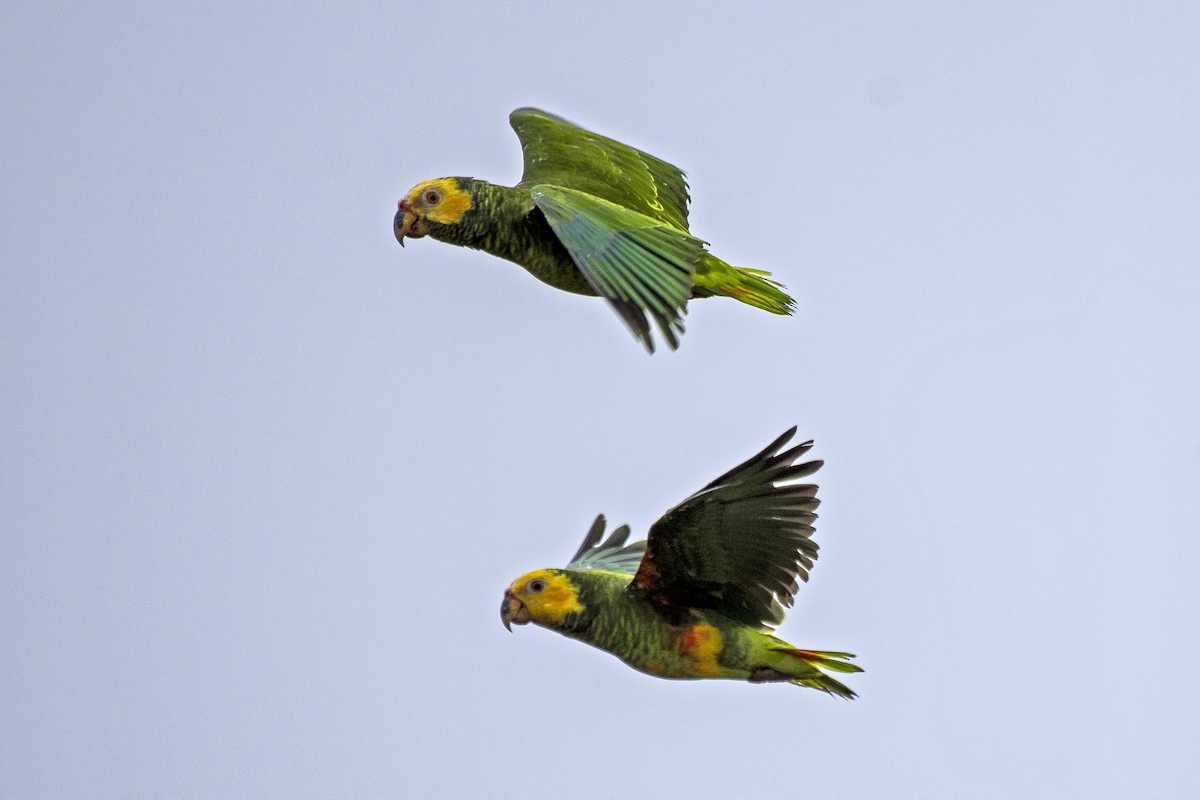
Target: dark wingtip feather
<point>741,544</point>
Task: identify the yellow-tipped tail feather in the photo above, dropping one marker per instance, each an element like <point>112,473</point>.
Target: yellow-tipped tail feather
<point>827,659</point>
<point>760,291</point>
<point>751,286</point>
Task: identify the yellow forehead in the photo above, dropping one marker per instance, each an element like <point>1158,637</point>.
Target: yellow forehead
<point>452,202</point>
<point>552,603</point>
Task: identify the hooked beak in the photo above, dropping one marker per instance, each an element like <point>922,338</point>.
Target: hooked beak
<point>406,223</point>
<point>513,610</point>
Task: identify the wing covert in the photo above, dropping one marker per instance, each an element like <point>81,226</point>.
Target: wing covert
<point>562,153</point>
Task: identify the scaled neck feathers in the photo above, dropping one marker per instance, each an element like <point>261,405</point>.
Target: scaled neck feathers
<point>492,210</point>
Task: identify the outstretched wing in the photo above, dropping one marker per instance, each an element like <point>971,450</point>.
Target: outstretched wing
<point>738,545</point>
<point>612,554</point>
<point>640,265</point>
<point>561,153</point>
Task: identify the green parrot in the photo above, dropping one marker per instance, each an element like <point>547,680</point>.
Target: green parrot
<point>590,216</point>
<point>698,598</point>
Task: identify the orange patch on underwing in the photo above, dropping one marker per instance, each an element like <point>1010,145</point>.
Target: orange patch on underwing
<point>647,573</point>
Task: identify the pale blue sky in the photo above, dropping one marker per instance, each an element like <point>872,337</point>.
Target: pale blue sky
<point>265,475</point>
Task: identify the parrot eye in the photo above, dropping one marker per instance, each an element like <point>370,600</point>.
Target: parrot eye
<point>432,197</point>
<point>536,585</point>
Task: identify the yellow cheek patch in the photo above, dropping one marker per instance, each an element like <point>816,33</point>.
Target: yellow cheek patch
<point>701,643</point>
<point>449,209</point>
<point>552,603</point>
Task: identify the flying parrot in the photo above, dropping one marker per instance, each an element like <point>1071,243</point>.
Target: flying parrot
<point>699,597</point>
<point>590,216</point>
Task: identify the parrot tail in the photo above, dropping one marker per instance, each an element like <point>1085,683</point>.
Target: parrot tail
<point>752,286</point>
<point>756,288</point>
<point>829,660</point>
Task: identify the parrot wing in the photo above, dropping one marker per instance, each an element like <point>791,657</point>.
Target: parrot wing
<point>639,265</point>
<point>738,545</point>
<point>561,153</point>
<point>612,554</point>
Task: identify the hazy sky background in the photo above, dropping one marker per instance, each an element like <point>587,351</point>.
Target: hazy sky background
<point>265,475</point>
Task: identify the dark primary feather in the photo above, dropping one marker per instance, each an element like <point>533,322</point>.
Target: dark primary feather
<point>612,554</point>
<point>561,153</point>
<point>739,545</point>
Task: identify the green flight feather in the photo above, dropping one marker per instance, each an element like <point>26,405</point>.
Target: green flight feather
<point>640,265</point>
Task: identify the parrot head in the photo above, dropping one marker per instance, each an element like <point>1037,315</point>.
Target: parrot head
<point>429,206</point>
<point>543,597</point>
